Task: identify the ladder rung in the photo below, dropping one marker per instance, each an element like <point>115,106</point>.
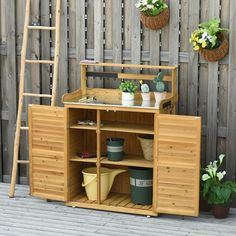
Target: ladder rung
<point>23,161</point>
<point>39,61</point>
<point>37,95</point>
<point>32,27</point>
<point>24,128</point>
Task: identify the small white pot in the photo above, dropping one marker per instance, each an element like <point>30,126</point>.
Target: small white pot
<point>127,96</point>
<point>146,96</point>
<point>158,97</point>
<point>146,103</point>
<point>128,103</point>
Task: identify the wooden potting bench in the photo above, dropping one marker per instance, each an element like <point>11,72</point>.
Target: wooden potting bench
<point>56,138</point>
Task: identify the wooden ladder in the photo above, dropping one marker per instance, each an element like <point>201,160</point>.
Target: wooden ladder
<point>22,94</point>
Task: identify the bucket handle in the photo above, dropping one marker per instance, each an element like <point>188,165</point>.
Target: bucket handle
<point>90,181</point>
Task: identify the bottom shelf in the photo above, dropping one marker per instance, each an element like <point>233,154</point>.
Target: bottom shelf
<point>117,202</point>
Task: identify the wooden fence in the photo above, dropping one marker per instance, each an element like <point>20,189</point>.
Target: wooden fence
<point>110,31</point>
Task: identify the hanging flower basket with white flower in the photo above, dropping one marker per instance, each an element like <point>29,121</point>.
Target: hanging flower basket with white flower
<point>215,190</point>
<point>155,14</point>
<point>209,40</point>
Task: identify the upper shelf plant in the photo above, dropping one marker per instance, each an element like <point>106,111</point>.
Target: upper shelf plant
<point>155,14</point>
<point>209,40</point>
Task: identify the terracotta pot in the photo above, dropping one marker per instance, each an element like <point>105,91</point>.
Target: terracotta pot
<point>220,211</point>
<point>216,54</point>
<point>156,22</point>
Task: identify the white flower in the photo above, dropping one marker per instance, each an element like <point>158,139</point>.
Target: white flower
<point>145,2</point>
<point>149,6</point>
<point>154,1</point>
<point>138,5</point>
<point>221,158</point>
<point>205,177</point>
<point>220,175</point>
<point>204,35</point>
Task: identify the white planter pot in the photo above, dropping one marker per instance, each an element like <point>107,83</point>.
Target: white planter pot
<point>146,103</point>
<point>127,96</point>
<point>146,96</point>
<point>158,97</point>
<point>128,103</point>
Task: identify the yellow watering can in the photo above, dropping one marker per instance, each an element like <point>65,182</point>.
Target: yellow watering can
<point>107,179</point>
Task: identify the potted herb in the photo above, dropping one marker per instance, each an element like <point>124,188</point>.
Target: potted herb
<point>145,91</point>
<point>128,88</point>
<point>155,14</point>
<point>160,87</point>
<point>209,40</point>
<point>215,190</point>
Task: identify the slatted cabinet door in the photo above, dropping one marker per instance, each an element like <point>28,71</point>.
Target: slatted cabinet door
<point>47,150</point>
<point>178,164</point>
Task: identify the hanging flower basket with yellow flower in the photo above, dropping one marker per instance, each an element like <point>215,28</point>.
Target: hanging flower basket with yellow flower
<point>155,14</point>
<point>209,40</point>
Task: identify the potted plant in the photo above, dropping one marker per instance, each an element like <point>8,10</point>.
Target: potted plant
<point>128,88</point>
<point>215,190</point>
<point>209,40</point>
<point>145,91</point>
<point>160,87</point>
<point>155,14</point>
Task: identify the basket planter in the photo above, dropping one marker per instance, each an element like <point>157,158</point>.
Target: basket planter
<point>216,54</point>
<point>156,22</point>
<point>147,146</point>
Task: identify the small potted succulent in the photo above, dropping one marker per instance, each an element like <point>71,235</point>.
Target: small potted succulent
<point>160,87</point>
<point>215,190</point>
<point>128,88</point>
<point>145,91</point>
<point>209,40</point>
<point>155,14</point>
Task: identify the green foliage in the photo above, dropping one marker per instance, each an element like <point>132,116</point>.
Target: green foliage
<point>206,36</point>
<point>145,88</point>
<point>151,7</point>
<point>214,189</point>
<point>128,86</point>
<point>158,80</point>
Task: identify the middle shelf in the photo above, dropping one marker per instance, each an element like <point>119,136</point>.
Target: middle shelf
<point>136,161</point>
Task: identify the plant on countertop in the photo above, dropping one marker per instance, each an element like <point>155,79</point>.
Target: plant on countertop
<point>154,13</point>
<point>208,38</point>
<point>128,86</point>
<point>158,80</point>
<point>215,190</point>
<point>145,91</point>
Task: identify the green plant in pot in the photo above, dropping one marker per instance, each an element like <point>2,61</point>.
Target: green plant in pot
<point>215,190</point>
<point>155,14</point>
<point>128,88</point>
<point>210,41</point>
<point>145,91</point>
<point>160,87</point>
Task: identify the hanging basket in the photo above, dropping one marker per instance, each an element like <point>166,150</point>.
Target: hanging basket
<point>216,54</point>
<point>156,22</point>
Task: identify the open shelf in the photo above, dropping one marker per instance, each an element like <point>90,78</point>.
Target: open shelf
<point>127,127</point>
<point>79,159</point>
<point>86,127</point>
<point>136,161</point>
<point>118,202</point>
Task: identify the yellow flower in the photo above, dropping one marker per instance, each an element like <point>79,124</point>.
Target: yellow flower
<point>194,43</point>
<point>196,48</point>
<point>141,82</point>
<point>204,44</point>
<point>196,38</point>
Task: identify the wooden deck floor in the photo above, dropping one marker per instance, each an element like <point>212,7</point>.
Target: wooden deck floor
<point>25,215</point>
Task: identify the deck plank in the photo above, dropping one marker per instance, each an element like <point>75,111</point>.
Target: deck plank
<point>26,215</point>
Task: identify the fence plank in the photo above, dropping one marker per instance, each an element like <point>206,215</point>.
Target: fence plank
<point>45,50</point>
<point>194,10</point>
<point>214,8</point>
<point>98,37</point>
<point>231,122</point>
<point>80,37</point>
<point>9,6</point>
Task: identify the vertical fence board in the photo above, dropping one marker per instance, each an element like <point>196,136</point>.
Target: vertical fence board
<point>45,50</point>
<point>214,8</point>
<point>194,8</point>
<point>231,122</point>
<point>80,37</point>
